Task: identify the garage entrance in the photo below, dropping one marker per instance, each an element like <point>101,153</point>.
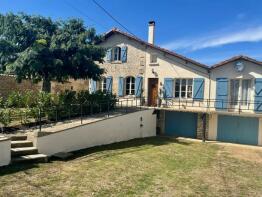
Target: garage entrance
<point>181,124</point>
<point>236,129</point>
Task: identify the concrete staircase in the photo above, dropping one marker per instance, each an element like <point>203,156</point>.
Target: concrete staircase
<point>23,150</point>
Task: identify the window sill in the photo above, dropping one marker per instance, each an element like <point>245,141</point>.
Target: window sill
<point>154,64</point>
<point>116,62</point>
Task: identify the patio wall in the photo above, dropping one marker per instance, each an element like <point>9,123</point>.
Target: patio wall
<point>5,151</point>
<point>122,128</point>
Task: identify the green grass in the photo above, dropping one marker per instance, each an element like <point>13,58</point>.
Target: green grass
<point>146,167</point>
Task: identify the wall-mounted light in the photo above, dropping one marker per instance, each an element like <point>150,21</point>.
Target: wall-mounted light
<point>154,72</point>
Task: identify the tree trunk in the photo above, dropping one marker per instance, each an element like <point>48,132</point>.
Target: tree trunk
<point>46,85</point>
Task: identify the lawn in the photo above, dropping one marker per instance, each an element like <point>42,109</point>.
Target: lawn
<point>146,167</point>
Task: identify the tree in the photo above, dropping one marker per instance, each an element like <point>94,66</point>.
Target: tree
<point>40,49</point>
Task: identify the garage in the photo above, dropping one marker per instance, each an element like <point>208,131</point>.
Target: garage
<point>180,124</point>
<point>236,129</point>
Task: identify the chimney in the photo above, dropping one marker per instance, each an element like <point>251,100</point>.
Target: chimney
<point>151,32</point>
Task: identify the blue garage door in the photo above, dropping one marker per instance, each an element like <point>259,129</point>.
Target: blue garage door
<point>243,130</point>
<point>181,124</point>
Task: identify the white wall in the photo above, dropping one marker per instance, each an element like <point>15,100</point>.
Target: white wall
<point>172,67</point>
<point>212,127</point>
<point>251,71</point>
<point>5,151</point>
<point>121,128</point>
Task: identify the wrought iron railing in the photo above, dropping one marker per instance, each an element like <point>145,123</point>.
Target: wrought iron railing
<point>209,104</point>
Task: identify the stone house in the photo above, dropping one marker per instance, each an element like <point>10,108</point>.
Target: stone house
<point>222,102</point>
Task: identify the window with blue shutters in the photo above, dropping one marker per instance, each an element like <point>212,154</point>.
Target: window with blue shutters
<point>121,86</point>
<point>183,88</point>
<point>102,85</point>
<point>92,86</point>
<point>199,85</point>
<point>109,81</point>
<point>109,55</point>
<point>124,53</point>
<point>138,86</point>
<point>168,87</point>
<point>258,95</point>
<point>130,85</point>
<point>221,93</point>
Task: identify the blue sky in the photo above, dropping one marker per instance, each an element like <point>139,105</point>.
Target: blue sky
<point>208,31</point>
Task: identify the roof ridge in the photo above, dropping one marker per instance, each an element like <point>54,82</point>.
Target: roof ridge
<point>234,58</point>
<point>116,30</point>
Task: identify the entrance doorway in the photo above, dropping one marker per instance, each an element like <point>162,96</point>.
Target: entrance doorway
<point>152,91</point>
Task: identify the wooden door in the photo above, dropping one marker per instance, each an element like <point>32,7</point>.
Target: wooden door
<point>152,91</point>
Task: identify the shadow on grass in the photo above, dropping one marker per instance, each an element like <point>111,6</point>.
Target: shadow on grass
<point>119,148</point>
<point>99,152</point>
<point>13,168</point>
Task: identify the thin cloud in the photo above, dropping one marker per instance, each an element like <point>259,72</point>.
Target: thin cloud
<point>253,34</point>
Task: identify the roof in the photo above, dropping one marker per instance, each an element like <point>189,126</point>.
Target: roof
<point>117,31</point>
<point>239,57</point>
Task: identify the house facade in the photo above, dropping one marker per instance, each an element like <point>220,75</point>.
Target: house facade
<point>222,102</point>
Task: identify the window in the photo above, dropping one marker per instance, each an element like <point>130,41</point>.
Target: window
<point>102,85</point>
<point>153,58</point>
<point>183,88</point>
<point>116,54</point>
<point>246,89</point>
<point>240,91</point>
<point>130,85</point>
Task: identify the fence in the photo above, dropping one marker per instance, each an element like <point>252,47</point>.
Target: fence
<point>36,117</point>
<point>212,105</point>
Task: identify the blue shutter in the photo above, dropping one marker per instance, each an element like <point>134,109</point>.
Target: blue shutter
<point>138,86</point>
<point>93,86</point>
<point>109,81</point>
<point>109,55</point>
<point>221,93</point>
<point>123,53</point>
<point>168,87</point>
<point>258,95</point>
<point>120,86</point>
<point>199,86</point>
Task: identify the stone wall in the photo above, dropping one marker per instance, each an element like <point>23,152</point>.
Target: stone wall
<point>75,85</point>
<point>135,64</point>
<point>9,84</point>
<point>200,126</point>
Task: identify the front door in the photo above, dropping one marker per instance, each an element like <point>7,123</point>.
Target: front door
<point>152,91</point>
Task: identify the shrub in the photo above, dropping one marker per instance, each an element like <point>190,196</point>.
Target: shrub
<point>15,100</point>
<point>5,118</point>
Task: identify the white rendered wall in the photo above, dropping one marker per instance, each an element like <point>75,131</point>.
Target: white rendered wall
<point>212,127</point>
<point>5,151</point>
<point>117,129</point>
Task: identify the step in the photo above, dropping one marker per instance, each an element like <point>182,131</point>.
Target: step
<point>22,143</point>
<point>34,157</point>
<point>23,151</point>
<point>18,137</point>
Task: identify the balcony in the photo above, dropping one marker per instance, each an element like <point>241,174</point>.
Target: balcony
<point>246,107</point>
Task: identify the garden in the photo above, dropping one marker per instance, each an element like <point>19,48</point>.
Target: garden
<point>26,109</point>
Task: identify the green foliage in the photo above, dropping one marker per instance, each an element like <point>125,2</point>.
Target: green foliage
<point>23,107</point>
<point>37,48</point>
<point>15,99</point>
<point>5,118</point>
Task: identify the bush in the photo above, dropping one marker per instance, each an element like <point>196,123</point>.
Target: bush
<point>25,106</point>
<point>5,118</point>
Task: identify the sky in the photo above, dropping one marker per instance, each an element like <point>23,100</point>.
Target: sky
<point>208,31</point>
